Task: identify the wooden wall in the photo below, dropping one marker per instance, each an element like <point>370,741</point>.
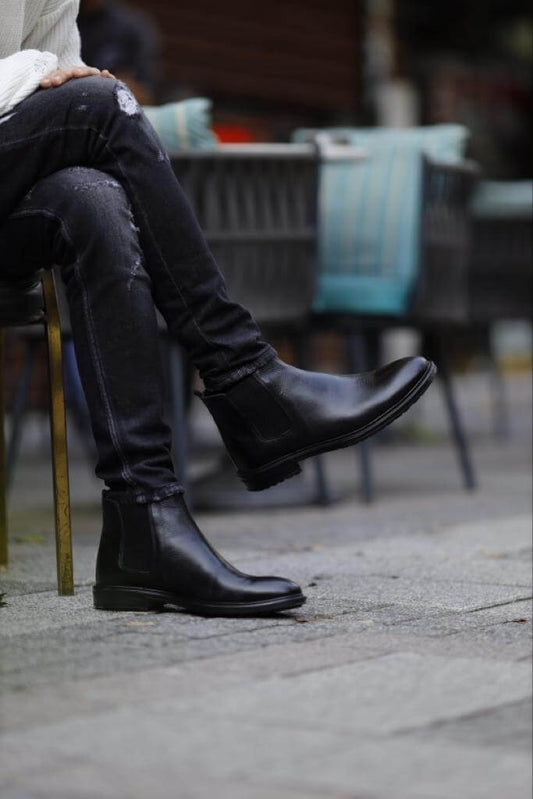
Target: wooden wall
<point>303,54</point>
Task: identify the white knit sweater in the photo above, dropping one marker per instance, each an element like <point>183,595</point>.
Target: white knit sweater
<point>36,37</point>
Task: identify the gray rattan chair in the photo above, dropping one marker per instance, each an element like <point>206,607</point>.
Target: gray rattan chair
<point>500,275</point>
<point>438,299</point>
<point>257,207</point>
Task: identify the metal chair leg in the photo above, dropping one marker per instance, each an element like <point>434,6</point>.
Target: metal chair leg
<point>18,409</point>
<point>3,474</point>
<point>356,352</point>
<point>501,416</point>
<point>65,579</point>
<point>501,426</point>
<point>303,352</point>
<point>461,442</point>
<point>436,349</point>
<point>178,411</point>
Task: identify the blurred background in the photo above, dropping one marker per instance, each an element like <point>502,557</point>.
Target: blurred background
<point>362,171</point>
<point>279,72</point>
<point>275,66</point>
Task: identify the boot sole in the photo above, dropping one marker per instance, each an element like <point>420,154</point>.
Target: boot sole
<point>288,466</point>
<point>126,598</point>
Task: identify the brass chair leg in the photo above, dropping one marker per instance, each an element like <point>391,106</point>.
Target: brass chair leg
<point>65,579</point>
<point>3,472</point>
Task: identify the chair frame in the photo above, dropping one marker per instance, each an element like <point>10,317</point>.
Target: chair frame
<point>439,298</point>
<point>58,430</point>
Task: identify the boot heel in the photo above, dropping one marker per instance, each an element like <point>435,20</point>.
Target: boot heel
<point>125,598</point>
<point>259,480</point>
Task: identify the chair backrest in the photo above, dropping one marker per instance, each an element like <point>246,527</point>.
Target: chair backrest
<point>257,207</point>
<point>370,215</point>
<point>500,282</point>
<point>441,291</point>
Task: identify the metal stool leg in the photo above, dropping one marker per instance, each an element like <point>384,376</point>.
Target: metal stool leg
<point>459,435</point>
<point>500,409</point>
<point>356,351</point>
<point>436,349</point>
<point>58,425</point>
<point>302,347</point>
<point>3,474</point>
<point>179,411</point>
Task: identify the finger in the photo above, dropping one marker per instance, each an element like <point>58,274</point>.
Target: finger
<point>83,72</point>
<point>49,79</point>
<point>57,77</point>
<point>61,76</point>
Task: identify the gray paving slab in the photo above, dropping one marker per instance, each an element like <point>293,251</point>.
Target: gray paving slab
<point>114,788</point>
<point>145,755</point>
<point>506,727</point>
<point>491,551</point>
<point>406,676</point>
<point>60,649</point>
<point>442,595</point>
<point>338,704</point>
<point>338,602</point>
<point>117,688</point>
<point>385,694</point>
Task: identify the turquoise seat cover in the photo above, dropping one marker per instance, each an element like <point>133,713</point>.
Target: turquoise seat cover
<point>184,125</point>
<point>369,216</point>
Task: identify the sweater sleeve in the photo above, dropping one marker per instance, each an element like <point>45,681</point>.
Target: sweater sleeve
<point>56,31</point>
<point>20,75</point>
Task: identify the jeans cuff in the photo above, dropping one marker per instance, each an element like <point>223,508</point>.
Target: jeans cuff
<point>144,496</point>
<point>243,371</point>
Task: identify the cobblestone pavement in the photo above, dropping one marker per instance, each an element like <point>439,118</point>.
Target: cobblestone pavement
<point>406,676</point>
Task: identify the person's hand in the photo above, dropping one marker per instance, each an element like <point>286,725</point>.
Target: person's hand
<point>60,76</point>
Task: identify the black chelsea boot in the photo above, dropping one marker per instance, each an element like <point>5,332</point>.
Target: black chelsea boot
<point>154,555</point>
<point>279,415</point>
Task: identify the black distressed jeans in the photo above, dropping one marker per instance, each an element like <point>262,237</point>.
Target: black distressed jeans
<point>86,184</point>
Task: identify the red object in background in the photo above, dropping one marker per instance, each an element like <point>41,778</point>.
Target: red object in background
<point>234,134</point>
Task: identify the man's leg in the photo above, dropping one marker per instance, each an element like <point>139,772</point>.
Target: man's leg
<point>151,552</point>
<point>81,219</point>
<point>270,416</point>
<point>96,122</point>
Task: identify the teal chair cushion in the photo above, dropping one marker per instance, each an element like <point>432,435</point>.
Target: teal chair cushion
<point>185,125</point>
<point>369,215</point>
<point>503,199</point>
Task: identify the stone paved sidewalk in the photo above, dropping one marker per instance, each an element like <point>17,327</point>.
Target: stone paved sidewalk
<point>406,676</point>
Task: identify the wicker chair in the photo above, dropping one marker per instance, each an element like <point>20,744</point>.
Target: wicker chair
<point>500,274</point>
<point>394,251</point>
<point>257,207</point>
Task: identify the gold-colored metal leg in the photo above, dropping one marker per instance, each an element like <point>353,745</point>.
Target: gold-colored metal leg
<point>65,579</point>
<point>3,474</point>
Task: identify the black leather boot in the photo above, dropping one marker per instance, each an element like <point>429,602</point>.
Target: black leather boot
<point>154,555</point>
<point>280,415</point>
